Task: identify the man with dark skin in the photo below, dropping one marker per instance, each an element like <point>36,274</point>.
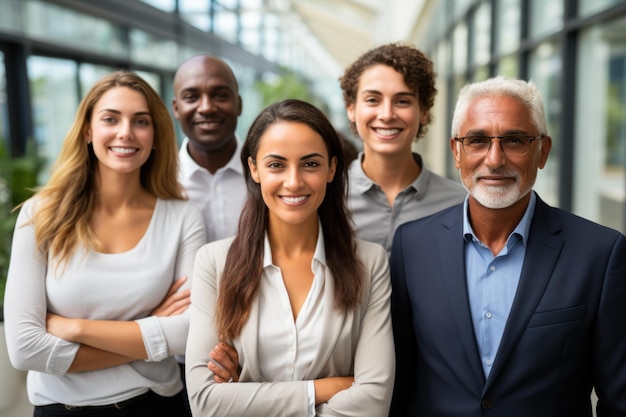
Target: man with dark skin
<point>207,105</point>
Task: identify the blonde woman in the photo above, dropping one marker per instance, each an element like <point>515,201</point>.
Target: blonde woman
<point>93,307</point>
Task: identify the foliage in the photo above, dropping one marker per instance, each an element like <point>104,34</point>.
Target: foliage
<point>18,179</point>
<point>284,87</point>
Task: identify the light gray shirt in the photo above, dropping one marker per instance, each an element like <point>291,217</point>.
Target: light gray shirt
<point>376,221</point>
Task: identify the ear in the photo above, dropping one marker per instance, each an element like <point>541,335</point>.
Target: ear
<point>87,133</point>
<point>424,118</point>
<point>351,113</point>
<point>254,173</point>
<point>175,108</point>
<point>240,105</point>
<point>546,145</point>
<point>455,147</point>
<point>332,170</point>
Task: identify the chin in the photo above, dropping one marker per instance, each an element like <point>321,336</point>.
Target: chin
<point>496,197</point>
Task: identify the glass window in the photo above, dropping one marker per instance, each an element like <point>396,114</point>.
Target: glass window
<point>196,13</point>
<point>54,99</point>
<point>587,7</point>
<point>600,126</point>
<point>226,25</point>
<point>459,49</point>
<point>10,18</point>
<point>507,26</point>
<point>88,75</point>
<point>50,23</point>
<point>166,5</point>
<point>150,50</point>
<point>482,34</point>
<point>508,66</point>
<point>4,105</point>
<point>545,17</point>
<point>545,71</point>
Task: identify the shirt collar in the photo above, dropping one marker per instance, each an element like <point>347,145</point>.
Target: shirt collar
<point>188,166</point>
<point>319,255</point>
<point>521,229</point>
<point>362,183</point>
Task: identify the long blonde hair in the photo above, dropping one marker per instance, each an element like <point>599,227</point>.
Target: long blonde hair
<point>66,203</point>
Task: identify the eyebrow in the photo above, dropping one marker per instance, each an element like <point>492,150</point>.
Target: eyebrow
<point>401,93</point>
<point>139,113</point>
<point>482,132</point>
<point>282,158</point>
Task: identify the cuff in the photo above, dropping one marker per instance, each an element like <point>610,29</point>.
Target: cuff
<point>153,338</point>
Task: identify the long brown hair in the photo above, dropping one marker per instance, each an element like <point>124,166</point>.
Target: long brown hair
<point>66,203</point>
<point>241,278</point>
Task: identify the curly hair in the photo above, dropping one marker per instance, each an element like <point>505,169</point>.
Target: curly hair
<point>409,61</point>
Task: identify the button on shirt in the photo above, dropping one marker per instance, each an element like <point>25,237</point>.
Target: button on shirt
<point>492,283</point>
<point>219,196</point>
<point>286,347</point>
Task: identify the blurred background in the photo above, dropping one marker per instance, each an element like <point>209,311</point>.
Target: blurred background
<point>52,51</point>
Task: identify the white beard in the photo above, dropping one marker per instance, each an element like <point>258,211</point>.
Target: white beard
<point>495,197</point>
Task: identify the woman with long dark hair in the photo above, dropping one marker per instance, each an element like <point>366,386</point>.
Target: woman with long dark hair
<point>302,302</point>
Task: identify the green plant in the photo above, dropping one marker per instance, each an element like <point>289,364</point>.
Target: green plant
<point>18,179</point>
<point>283,87</point>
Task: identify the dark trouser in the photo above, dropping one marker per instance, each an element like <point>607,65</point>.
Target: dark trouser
<point>185,398</point>
<point>145,405</point>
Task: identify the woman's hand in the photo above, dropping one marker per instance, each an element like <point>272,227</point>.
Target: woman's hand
<point>175,302</point>
<point>63,327</point>
<point>326,388</point>
<point>224,363</point>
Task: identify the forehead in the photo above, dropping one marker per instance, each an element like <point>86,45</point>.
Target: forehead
<point>200,73</point>
<point>291,139</point>
<point>497,112</point>
<point>121,97</point>
<point>381,77</point>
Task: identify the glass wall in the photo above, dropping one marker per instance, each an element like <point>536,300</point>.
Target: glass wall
<point>4,105</point>
<point>600,181</point>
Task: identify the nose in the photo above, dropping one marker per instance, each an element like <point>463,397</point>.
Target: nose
<point>293,179</point>
<point>495,156</point>
<point>386,112</point>
<point>206,104</point>
<point>125,131</point>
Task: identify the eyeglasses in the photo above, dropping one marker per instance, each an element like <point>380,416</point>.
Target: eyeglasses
<point>511,145</point>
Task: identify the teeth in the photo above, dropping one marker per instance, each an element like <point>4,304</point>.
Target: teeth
<point>388,132</point>
<point>123,150</point>
<point>294,199</point>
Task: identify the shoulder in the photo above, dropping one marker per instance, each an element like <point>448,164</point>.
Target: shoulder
<point>370,253</point>
<point>216,250</point>
<point>445,217</point>
<point>440,182</point>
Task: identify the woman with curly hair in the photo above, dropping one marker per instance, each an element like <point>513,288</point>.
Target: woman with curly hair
<point>293,311</point>
<point>388,93</point>
<point>92,307</point>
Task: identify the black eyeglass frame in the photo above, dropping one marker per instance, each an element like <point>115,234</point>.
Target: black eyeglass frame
<point>530,139</point>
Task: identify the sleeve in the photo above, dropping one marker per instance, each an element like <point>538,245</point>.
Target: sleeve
<point>29,345</point>
<point>240,399</point>
<point>167,336</point>
<point>374,360</point>
<point>609,340</point>
<point>404,338</point>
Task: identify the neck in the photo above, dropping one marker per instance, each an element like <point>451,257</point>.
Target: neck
<point>115,190</point>
<point>293,240</point>
<point>391,171</point>
<point>493,226</point>
<point>212,160</point>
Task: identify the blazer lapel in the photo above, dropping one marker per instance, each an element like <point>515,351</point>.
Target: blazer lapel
<point>452,249</point>
<point>542,253</point>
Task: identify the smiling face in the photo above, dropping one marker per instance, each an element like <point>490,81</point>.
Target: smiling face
<point>293,168</point>
<point>206,103</point>
<point>387,114</point>
<point>496,180</point>
<point>121,130</point>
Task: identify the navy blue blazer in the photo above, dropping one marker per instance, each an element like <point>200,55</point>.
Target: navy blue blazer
<point>565,334</point>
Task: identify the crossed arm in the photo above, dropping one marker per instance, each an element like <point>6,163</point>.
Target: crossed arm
<point>107,343</point>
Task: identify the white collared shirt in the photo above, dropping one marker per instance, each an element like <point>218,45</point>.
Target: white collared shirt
<point>288,348</point>
<point>220,196</point>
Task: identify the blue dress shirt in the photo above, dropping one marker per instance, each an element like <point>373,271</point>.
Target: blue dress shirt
<point>492,282</point>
